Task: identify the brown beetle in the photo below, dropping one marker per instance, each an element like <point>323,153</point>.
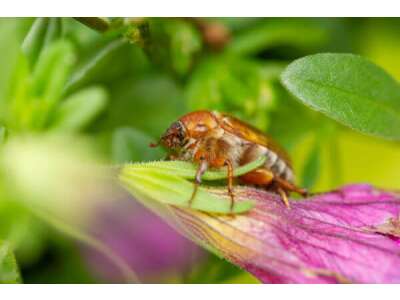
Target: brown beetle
<point>214,140</point>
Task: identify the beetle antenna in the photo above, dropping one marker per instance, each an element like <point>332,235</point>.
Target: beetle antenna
<point>154,145</point>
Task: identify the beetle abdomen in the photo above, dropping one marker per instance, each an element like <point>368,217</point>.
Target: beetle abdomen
<point>274,163</point>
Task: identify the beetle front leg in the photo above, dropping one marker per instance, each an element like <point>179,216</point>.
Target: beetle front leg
<point>229,165</point>
<point>203,166</point>
<point>171,156</point>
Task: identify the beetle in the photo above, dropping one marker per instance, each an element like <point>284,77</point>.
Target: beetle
<point>214,140</point>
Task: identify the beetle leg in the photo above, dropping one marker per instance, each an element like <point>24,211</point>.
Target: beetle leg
<point>286,185</point>
<point>260,176</point>
<point>284,196</point>
<point>171,156</point>
<point>266,178</point>
<point>229,165</point>
<point>199,173</point>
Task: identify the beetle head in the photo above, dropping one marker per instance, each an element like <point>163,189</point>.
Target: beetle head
<point>175,136</point>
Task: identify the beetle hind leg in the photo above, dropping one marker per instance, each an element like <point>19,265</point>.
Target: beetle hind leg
<point>288,186</point>
<point>284,196</point>
<point>267,179</point>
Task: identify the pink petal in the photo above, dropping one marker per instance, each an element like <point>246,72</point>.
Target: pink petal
<point>146,244</point>
<point>348,235</point>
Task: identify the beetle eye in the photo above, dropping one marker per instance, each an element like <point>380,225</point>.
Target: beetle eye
<point>177,134</point>
<point>179,131</point>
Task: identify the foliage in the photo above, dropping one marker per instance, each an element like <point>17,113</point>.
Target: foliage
<point>117,83</point>
<point>9,272</point>
<point>165,182</point>
<point>349,89</point>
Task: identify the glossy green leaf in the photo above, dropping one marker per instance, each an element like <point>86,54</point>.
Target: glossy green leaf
<point>349,89</point>
<point>130,144</point>
<point>79,109</point>
<point>9,272</point>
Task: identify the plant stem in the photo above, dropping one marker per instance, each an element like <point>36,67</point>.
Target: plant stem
<point>98,24</point>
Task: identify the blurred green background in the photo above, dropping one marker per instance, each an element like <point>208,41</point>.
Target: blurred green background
<point>79,93</point>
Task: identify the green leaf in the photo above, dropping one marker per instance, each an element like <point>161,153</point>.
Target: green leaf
<point>17,114</point>
<point>9,49</point>
<point>129,144</point>
<point>42,33</point>
<point>9,272</point>
<point>152,185</point>
<point>98,62</point>
<point>49,77</point>
<point>349,89</point>
<point>164,182</point>
<point>34,40</point>
<point>53,32</point>
<point>79,109</point>
<point>21,230</point>
<point>54,63</point>
<point>188,170</point>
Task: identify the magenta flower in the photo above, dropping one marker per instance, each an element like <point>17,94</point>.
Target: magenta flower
<point>351,235</point>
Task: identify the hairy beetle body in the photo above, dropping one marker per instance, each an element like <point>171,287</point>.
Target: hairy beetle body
<point>214,140</point>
